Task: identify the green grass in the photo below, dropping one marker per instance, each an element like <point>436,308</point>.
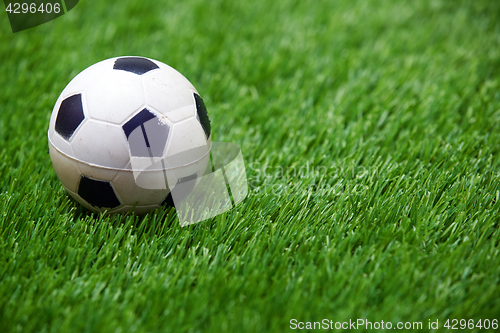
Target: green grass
<point>394,104</point>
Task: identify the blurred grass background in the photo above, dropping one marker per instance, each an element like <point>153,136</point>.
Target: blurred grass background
<point>398,100</point>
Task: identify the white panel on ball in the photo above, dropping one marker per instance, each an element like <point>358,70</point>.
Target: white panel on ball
<point>167,90</point>
<point>66,169</point>
<point>101,144</point>
<point>182,113</point>
<point>62,145</point>
<point>186,135</point>
<point>115,96</point>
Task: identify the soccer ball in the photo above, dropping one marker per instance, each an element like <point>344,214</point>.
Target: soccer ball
<point>116,128</point>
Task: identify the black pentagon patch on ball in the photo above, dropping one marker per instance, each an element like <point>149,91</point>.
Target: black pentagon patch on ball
<point>168,201</point>
<point>181,189</point>
<point>97,193</point>
<point>136,65</point>
<point>146,134</point>
<point>137,121</point>
<point>69,116</point>
<point>202,114</point>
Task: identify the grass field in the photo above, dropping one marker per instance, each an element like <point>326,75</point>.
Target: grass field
<point>371,136</point>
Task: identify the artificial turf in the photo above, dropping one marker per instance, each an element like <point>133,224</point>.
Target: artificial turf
<point>371,137</point>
